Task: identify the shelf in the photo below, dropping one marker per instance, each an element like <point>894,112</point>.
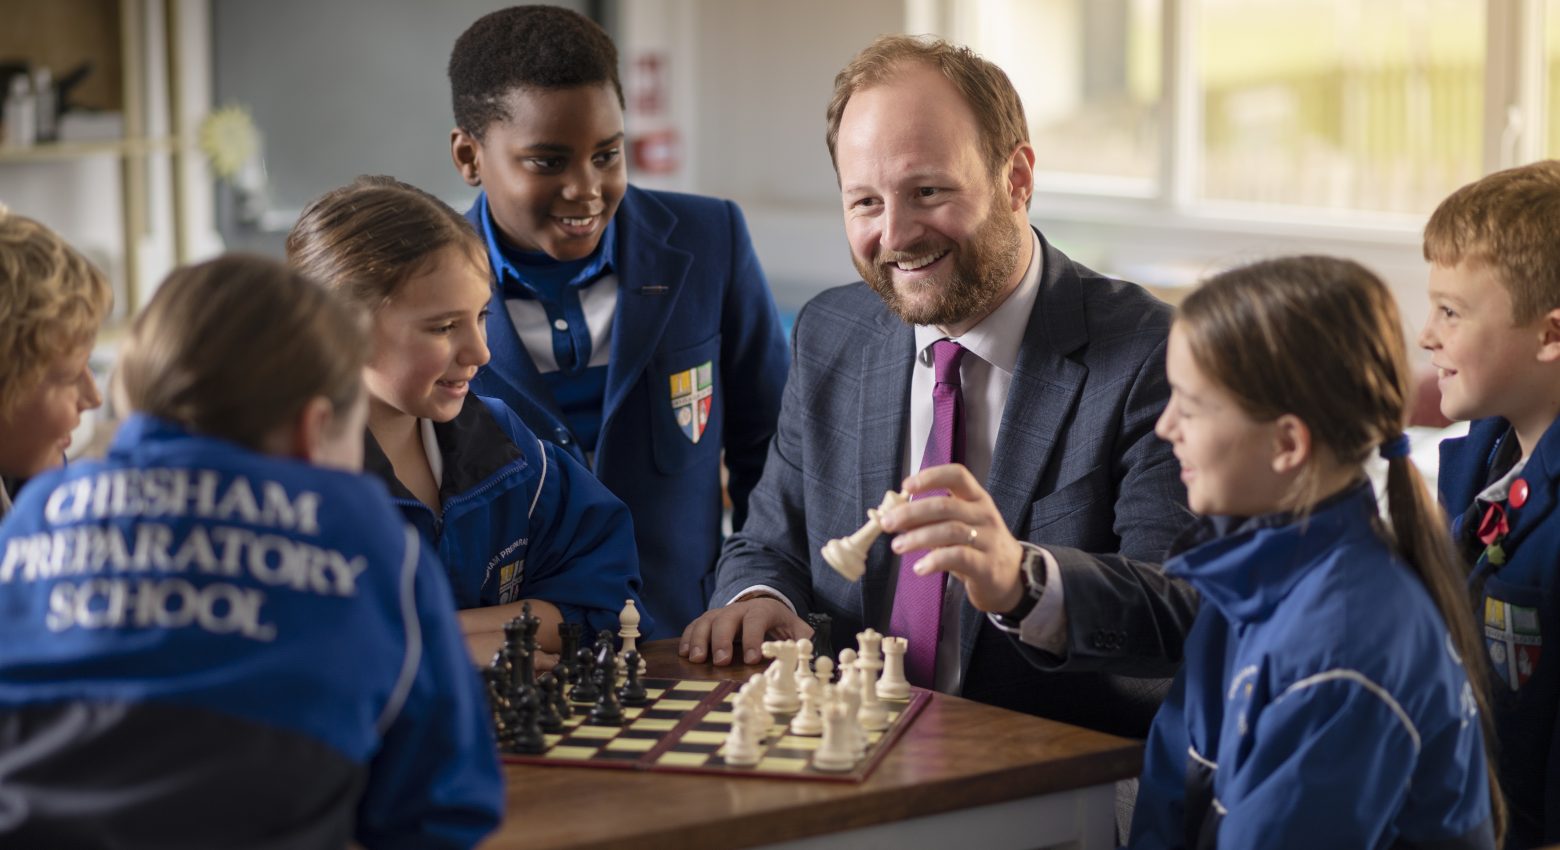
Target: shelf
<point>53,151</point>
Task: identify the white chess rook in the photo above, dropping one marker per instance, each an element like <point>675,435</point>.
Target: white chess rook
<point>848,555</point>
<point>893,684</point>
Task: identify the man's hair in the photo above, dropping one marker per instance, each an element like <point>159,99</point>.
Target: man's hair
<point>1505,221</point>
<point>542,47</point>
<point>998,111</point>
<point>52,301</point>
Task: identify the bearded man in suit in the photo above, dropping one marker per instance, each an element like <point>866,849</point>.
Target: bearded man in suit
<point>1011,392</point>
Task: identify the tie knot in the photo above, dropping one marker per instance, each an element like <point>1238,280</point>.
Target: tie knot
<point>946,355</point>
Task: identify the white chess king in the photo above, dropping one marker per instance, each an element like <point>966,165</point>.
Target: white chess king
<point>848,555</point>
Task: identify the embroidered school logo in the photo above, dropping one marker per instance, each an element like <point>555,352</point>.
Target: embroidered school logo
<point>1514,640</point>
<point>509,576</point>
<point>692,392</point>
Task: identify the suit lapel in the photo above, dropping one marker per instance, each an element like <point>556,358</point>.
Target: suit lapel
<point>884,404</point>
<point>650,274</point>
<point>1039,404</point>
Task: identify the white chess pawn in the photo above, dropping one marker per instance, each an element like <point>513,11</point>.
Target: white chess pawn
<point>848,555</point>
<point>823,669</point>
<point>893,684</point>
<point>849,695</point>
<point>759,688</point>
<point>741,749</point>
<point>780,695</point>
<point>834,752</point>
<point>628,630</point>
<point>808,721</point>
<point>804,651</point>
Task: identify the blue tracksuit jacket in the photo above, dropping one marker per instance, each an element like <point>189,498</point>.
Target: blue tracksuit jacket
<point>522,520</point>
<point>205,646</point>
<point>691,294</point>
<point>1518,610</point>
<point>1321,705</point>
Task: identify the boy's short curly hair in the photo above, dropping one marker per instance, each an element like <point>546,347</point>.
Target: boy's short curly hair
<point>52,300</point>
<point>543,47</point>
<point>1506,222</point>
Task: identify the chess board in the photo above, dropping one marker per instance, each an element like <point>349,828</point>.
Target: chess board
<point>684,728</point>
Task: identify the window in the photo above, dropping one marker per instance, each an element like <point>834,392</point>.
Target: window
<point>1306,108</point>
<point>1089,74</point>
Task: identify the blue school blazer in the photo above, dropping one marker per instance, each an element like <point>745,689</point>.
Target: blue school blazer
<point>691,298</point>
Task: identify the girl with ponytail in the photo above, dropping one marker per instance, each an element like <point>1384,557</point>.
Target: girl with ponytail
<point>1332,694</point>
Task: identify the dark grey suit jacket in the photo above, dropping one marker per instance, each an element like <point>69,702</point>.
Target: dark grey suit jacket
<point>1076,468</point>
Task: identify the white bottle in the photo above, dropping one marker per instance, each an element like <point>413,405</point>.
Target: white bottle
<point>21,113</point>
<point>45,105</point>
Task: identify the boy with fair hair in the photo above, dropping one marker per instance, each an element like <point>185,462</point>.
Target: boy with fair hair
<point>52,301</point>
<point>1494,337</point>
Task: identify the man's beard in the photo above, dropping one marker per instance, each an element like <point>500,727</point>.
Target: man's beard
<point>981,270</point>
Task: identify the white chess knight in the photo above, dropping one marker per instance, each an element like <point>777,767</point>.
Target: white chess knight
<point>848,555</point>
<point>781,694</point>
<point>628,630</point>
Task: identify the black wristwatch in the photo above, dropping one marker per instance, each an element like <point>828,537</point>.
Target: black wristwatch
<point>1031,569</point>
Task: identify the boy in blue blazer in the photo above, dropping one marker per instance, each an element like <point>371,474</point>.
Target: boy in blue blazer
<point>1494,337</point>
<point>632,328</point>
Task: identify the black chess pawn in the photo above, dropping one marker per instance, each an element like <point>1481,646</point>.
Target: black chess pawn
<point>547,706</point>
<point>607,711</point>
<point>633,691</point>
<point>528,738</point>
<point>567,670</point>
<point>584,689</point>
<point>560,698</point>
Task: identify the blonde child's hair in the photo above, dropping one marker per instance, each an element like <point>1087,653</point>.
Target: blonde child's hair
<point>52,301</point>
<point>1505,222</point>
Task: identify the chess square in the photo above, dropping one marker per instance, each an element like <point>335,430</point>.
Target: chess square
<point>578,753</point>
<point>785,765</point>
<point>679,759</point>
<point>696,736</point>
<point>635,745</point>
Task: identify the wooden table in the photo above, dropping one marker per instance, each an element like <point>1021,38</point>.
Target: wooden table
<point>964,775</point>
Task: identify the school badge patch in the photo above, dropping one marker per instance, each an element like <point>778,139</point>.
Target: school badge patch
<point>693,391</point>
<point>1514,639</point>
<point>509,578</point>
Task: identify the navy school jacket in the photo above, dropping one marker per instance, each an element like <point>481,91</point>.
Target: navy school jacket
<point>205,646</point>
<point>1518,611</point>
<point>690,292</point>
<point>1322,703</point>
<point>521,520</point>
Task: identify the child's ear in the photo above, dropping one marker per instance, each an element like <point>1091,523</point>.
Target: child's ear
<point>1291,443</point>
<point>303,437</point>
<point>465,152</point>
<point>1549,337</point>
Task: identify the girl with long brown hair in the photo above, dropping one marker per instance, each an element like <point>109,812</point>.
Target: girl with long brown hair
<point>1329,697</point>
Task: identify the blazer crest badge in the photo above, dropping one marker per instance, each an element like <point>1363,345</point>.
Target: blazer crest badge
<point>693,391</point>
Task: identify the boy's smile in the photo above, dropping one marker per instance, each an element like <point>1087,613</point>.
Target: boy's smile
<point>1487,364</point>
<point>554,172</point>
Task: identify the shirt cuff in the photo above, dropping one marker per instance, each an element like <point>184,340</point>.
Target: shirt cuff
<point>1045,627</point>
<point>764,589</point>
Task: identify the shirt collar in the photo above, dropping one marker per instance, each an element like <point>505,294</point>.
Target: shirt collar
<point>1000,335</point>
<point>505,268</point>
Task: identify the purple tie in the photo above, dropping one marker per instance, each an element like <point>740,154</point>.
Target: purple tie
<point>917,614</point>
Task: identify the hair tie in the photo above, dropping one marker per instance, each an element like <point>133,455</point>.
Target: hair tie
<point>1395,448</point>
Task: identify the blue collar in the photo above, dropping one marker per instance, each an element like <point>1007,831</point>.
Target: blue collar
<point>507,268</point>
<point>139,428</point>
<point>1246,566</point>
